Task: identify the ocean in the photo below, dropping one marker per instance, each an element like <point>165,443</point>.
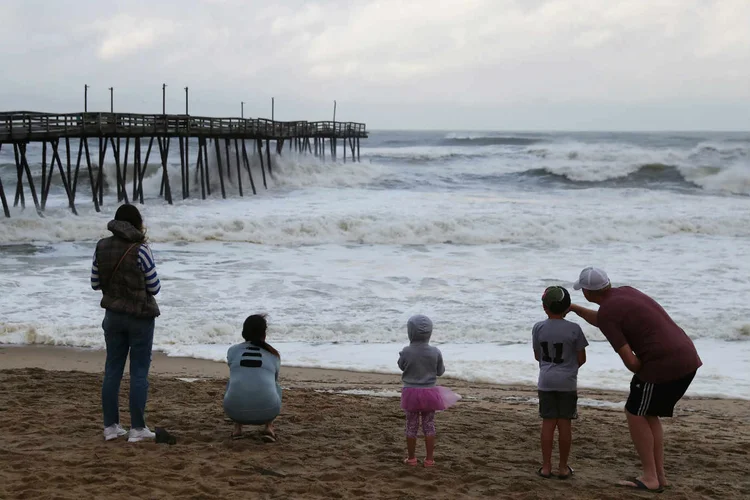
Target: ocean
<point>466,227</point>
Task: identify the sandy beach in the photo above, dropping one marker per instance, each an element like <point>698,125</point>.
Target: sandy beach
<point>340,436</point>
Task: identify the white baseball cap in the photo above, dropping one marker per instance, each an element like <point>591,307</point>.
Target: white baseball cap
<point>592,278</point>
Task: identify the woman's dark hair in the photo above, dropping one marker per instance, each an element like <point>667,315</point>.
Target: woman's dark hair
<point>254,331</point>
<point>129,213</point>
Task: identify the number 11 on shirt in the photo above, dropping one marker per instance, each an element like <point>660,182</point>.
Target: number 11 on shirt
<point>558,352</point>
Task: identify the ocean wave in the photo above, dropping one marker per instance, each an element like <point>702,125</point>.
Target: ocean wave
<point>436,156</point>
<point>637,176</point>
<point>717,166</point>
<point>734,179</point>
<point>489,141</point>
<point>234,221</point>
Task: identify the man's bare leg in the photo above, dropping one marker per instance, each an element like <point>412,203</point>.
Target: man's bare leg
<point>658,433</point>
<point>643,439</point>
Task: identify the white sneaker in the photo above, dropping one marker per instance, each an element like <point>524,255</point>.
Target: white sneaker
<point>114,431</point>
<point>136,435</point>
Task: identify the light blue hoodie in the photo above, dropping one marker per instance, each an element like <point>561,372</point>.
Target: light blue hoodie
<point>253,393</point>
<point>421,363</point>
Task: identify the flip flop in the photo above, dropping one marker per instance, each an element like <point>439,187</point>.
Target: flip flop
<point>268,437</point>
<point>540,474</point>
<point>411,461</point>
<point>235,437</point>
<point>567,476</point>
<point>429,463</point>
<point>637,484</point>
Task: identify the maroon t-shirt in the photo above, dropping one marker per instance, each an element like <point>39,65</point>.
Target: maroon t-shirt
<point>628,316</point>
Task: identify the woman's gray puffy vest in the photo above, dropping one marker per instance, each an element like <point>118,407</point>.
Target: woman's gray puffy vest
<point>125,290</point>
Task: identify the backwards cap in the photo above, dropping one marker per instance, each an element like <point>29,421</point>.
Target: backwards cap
<point>556,299</point>
<point>592,278</point>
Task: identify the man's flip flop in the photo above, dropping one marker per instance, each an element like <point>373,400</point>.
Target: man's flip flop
<point>429,463</point>
<point>567,476</point>
<point>411,461</point>
<point>541,474</point>
<point>637,484</point>
<point>235,437</point>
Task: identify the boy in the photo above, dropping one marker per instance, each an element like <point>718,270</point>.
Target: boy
<point>560,349</point>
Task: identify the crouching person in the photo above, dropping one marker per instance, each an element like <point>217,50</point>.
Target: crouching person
<point>253,394</point>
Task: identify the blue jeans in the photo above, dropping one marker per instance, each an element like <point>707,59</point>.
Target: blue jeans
<point>124,333</point>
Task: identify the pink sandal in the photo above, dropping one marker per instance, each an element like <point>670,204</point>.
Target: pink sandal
<point>411,461</point>
<point>429,463</point>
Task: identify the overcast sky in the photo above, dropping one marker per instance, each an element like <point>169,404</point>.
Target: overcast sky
<point>438,64</point>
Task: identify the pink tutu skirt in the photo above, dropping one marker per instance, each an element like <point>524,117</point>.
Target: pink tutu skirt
<point>436,398</point>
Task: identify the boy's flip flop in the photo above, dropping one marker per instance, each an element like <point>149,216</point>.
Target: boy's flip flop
<point>411,461</point>
<point>541,474</point>
<point>567,476</point>
<point>429,463</point>
<point>637,484</point>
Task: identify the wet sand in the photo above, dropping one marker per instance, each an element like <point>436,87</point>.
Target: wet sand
<point>340,436</point>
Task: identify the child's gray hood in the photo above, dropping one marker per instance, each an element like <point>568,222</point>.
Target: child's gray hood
<point>419,328</point>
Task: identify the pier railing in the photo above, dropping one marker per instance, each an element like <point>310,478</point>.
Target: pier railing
<point>34,126</point>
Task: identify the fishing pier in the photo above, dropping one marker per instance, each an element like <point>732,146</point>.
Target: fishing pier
<point>233,142</point>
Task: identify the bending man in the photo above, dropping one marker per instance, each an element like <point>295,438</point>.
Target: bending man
<point>659,353</point>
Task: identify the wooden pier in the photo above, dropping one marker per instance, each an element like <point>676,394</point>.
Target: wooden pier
<point>60,134</point>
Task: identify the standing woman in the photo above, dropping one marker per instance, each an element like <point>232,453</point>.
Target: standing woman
<point>124,270</point>
<point>253,394</point>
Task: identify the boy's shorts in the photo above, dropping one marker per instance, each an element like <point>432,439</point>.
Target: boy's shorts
<point>558,404</point>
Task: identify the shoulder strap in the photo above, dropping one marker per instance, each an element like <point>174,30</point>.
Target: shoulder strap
<point>123,257</point>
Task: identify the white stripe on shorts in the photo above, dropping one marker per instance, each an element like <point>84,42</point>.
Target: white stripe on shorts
<point>648,391</point>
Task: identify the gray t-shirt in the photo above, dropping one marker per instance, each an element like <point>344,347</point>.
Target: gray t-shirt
<point>557,342</point>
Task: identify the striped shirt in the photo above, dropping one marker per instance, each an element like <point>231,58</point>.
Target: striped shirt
<point>145,264</point>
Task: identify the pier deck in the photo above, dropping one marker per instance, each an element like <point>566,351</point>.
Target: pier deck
<point>34,126</point>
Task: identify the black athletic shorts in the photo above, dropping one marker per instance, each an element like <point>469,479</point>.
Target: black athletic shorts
<point>558,404</point>
<point>656,400</point>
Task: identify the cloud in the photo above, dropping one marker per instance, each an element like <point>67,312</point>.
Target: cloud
<point>123,35</point>
<point>380,55</point>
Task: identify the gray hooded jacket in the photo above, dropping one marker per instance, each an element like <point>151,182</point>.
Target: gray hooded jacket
<point>421,363</point>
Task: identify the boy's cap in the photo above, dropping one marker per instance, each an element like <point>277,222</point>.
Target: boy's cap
<point>556,295</point>
<point>592,278</point>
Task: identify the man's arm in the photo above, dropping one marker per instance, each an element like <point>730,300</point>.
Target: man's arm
<point>581,357</point>
<point>588,315</point>
<point>631,361</point>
